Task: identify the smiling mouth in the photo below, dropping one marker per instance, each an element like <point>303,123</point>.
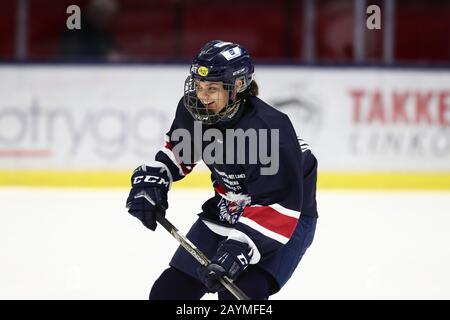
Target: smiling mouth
<point>209,105</point>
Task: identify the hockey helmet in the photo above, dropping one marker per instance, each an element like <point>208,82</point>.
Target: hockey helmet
<point>219,61</point>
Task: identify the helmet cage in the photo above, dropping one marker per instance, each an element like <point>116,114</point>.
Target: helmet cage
<point>224,62</point>
<point>202,113</point>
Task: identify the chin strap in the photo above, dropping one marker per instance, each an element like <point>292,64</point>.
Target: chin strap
<point>232,119</point>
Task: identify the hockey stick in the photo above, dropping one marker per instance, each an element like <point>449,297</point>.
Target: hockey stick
<point>199,256</point>
<point>192,249</point>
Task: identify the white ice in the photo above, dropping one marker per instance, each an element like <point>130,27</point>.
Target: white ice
<point>82,244</point>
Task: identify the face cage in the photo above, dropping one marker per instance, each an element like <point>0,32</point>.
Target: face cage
<point>202,113</point>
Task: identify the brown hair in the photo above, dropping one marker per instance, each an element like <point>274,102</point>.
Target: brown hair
<point>254,89</point>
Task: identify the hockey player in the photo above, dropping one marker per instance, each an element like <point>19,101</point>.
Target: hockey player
<point>259,223</point>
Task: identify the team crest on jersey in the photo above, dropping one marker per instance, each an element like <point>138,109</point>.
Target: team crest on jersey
<point>203,71</point>
<point>232,206</point>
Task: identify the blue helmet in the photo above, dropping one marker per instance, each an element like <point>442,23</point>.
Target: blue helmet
<point>219,61</point>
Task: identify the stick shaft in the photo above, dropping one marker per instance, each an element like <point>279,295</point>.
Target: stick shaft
<point>198,255</point>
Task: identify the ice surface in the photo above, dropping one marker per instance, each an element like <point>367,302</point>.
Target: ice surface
<point>82,244</point>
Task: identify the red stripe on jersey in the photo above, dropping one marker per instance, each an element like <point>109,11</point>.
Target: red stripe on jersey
<point>169,146</point>
<point>271,219</point>
<point>185,168</point>
<point>219,188</point>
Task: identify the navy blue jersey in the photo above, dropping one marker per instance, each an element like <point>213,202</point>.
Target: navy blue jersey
<point>259,209</point>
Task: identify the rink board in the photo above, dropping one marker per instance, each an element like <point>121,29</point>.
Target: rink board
<point>90,125</point>
<point>201,179</point>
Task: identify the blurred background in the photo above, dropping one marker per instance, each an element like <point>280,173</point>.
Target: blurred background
<point>80,108</point>
<point>285,31</point>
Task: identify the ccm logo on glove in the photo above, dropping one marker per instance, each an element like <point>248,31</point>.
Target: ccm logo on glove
<point>150,179</point>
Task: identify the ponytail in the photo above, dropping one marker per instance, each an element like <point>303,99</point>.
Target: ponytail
<point>254,89</point>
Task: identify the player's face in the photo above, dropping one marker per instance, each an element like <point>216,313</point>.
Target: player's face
<point>212,95</point>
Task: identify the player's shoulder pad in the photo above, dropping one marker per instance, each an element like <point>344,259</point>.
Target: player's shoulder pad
<point>268,116</point>
<point>181,111</point>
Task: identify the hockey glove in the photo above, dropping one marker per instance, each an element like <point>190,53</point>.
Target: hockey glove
<point>231,259</point>
<point>148,195</point>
